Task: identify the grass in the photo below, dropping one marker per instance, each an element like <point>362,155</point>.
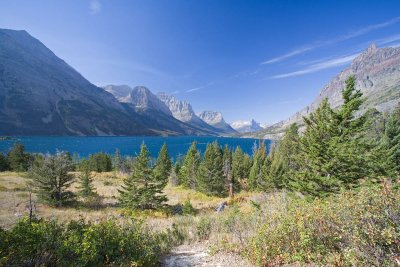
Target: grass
<point>14,199</point>
<point>355,228</point>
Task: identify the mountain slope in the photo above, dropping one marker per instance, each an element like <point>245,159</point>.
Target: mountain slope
<point>377,71</point>
<point>41,94</point>
<point>216,120</point>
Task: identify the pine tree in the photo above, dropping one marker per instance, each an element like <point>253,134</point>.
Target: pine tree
<point>238,172</point>
<point>163,166</point>
<point>85,187</point>
<point>142,190</point>
<point>118,161</point>
<point>211,176</point>
<point>189,169</point>
<point>333,151</point>
<point>269,180</point>
<point>282,159</point>
<point>255,177</point>
<point>230,183</point>
<point>3,163</point>
<point>100,162</point>
<point>52,180</point>
<point>17,159</point>
<point>391,139</point>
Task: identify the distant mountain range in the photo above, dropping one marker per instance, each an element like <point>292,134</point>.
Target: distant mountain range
<point>377,71</point>
<point>247,126</point>
<point>143,100</point>
<point>40,94</point>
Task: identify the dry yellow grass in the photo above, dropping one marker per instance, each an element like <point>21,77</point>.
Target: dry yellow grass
<point>15,191</point>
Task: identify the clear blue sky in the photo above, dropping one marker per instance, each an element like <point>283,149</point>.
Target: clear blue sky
<point>248,59</point>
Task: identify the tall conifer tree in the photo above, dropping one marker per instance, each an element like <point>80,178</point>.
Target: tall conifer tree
<point>190,167</point>
<point>142,190</point>
<point>163,166</point>
<point>211,179</point>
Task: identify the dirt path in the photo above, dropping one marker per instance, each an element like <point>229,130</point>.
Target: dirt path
<point>197,256</point>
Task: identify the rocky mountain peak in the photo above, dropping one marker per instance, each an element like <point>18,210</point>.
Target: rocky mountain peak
<point>372,48</point>
<point>215,119</point>
<point>181,110</point>
<point>143,99</point>
<point>211,117</point>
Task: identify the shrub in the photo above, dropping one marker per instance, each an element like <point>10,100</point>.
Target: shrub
<point>355,228</point>
<point>187,208</point>
<point>46,243</point>
<point>203,228</point>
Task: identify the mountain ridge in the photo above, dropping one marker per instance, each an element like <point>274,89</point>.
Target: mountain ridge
<point>40,94</point>
<point>377,72</point>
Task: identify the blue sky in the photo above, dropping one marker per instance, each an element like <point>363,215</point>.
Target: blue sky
<point>248,59</point>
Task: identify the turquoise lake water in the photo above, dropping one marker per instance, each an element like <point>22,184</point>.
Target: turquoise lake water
<point>128,145</point>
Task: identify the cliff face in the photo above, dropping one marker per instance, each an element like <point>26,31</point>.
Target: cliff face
<point>377,71</point>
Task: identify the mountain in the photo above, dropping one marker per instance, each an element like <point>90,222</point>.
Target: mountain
<point>143,99</point>
<point>40,94</point>
<point>216,120</point>
<point>156,114</point>
<point>377,71</point>
<point>184,112</point>
<point>246,126</point>
<point>120,92</point>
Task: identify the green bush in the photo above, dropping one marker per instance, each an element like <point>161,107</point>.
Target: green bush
<point>352,229</point>
<point>187,208</point>
<point>46,243</point>
<point>203,228</point>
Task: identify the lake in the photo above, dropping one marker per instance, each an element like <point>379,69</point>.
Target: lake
<point>128,145</point>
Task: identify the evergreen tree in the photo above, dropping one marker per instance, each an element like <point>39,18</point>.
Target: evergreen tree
<point>333,151</point>
<point>85,187</point>
<point>211,176</point>
<point>100,162</point>
<point>142,190</point>
<point>255,177</point>
<point>190,167</point>
<point>175,173</point>
<point>52,180</point>
<point>269,180</point>
<point>282,159</point>
<point>17,159</point>
<point>117,161</point>
<point>3,163</point>
<point>241,165</point>
<point>391,139</point>
<point>230,183</point>
<point>238,170</point>
<point>163,166</point>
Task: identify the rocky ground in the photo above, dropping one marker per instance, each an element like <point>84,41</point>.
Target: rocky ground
<point>197,255</point>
